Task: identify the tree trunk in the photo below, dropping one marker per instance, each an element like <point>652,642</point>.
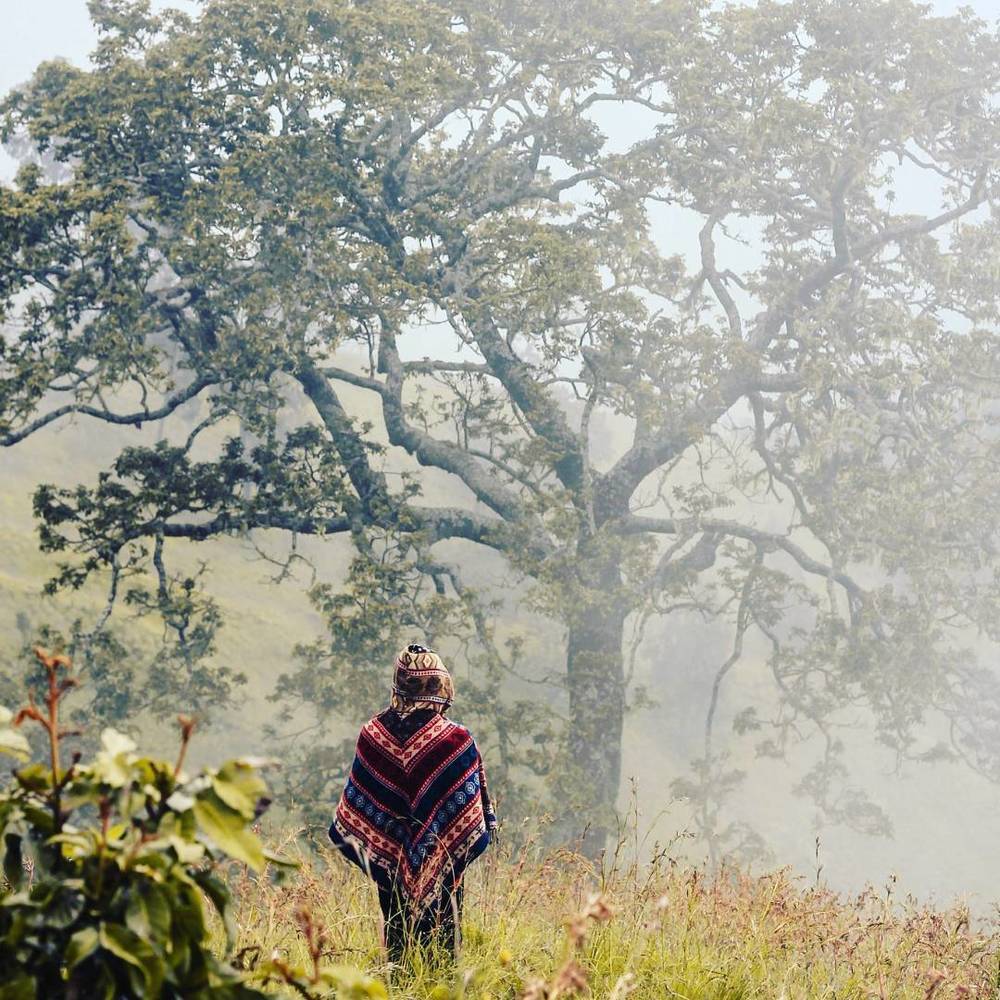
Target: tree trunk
<point>596,680</point>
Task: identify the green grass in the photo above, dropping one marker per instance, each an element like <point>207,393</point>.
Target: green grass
<point>546,926</point>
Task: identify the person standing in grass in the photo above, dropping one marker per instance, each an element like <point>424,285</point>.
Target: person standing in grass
<point>415,811</point>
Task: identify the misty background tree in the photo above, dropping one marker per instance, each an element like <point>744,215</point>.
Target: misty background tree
<point>259,207</point>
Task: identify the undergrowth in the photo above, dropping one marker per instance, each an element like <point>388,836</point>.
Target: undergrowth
<point>546,926</point>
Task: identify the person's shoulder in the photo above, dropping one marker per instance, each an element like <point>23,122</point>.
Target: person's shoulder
<point>459,730</point>
<point>376,722</point>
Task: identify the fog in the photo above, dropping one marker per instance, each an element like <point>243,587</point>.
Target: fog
<point>945,818</point>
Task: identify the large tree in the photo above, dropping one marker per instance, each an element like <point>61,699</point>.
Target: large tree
<point>782,280</point>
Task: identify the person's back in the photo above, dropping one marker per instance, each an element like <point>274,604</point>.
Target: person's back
<point>416,811</point>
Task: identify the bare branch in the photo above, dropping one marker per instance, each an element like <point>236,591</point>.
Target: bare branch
<point>136,419</point>
<point>715,280</point>
<point>766,540</point>
<point>429,450</point>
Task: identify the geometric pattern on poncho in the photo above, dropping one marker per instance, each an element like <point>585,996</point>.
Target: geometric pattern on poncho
<point>414,809</point>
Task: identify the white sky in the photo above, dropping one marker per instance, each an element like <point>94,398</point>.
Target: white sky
<point>44,29</point>
<point>32,31</point>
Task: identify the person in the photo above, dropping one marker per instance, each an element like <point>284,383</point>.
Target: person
<point>415,811</point>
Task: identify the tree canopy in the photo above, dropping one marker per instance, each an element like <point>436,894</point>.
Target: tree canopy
<point>782,281</point>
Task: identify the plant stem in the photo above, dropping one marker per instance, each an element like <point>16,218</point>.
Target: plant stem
<point>187,728</point>
<point>52,724</point>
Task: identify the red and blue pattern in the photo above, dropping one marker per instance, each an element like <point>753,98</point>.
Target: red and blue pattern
<point>415,808</point>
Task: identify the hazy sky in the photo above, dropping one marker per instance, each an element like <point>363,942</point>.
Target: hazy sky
<point>46,29</point>
<point>43,29</point>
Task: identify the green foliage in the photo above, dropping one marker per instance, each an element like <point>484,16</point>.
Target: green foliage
<point>108,863</point>
<point>392,594</point>
<point>249,215</point>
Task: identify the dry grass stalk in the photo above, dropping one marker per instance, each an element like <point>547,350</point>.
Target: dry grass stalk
<point>637,932</point>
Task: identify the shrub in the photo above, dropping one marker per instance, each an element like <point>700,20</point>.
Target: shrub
<point>107,864</point>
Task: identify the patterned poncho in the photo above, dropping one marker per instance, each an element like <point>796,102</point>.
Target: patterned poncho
<point>415,809</point>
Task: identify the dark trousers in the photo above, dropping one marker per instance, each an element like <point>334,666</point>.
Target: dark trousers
<point>437,925</point>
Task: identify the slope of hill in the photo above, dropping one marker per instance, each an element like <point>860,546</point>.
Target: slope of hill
<point>931,806</point>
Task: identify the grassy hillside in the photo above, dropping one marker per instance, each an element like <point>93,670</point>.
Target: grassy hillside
<point>541,927</point>
<point>261,621</point>
<point>930,805</point>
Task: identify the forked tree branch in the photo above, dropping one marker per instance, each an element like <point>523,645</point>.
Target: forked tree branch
<point>136,418</point>
<point>636,524</point>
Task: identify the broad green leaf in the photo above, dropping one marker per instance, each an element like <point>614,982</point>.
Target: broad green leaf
<point>187,853</point>
<point>82,944</point>
<point>180,801</point>
<point>20,986</point>
<point>228,831</point>
<point>239,786</point>
<point>12,741</point>
<point>218,893</point>
<point>41,819</point>
<point>59,903</point>
<point>34,778</point>
<point>130,948</point>
<point>147,912</point>
<point>352,984</point>
<point>75,845</point>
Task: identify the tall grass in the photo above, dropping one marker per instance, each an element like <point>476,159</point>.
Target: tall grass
<point>543,926</point>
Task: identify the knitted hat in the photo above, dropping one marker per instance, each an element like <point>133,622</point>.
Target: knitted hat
<point>421,676</point>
